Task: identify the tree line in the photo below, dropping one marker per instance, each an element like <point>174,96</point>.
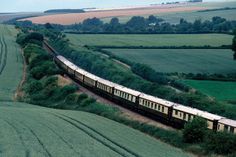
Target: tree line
<point>142,25</point>
<point>152,24</point>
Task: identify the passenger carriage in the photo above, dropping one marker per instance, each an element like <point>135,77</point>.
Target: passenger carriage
<point>182,114</point>
<point>156,106</point>
<point>126,96</point>
<point>106,87</point>
<point>227,125</point>
<point>91,80</point>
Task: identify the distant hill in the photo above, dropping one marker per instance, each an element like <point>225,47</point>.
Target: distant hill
<point>65,11</point>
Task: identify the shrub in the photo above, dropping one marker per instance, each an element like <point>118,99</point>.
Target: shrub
<point>34,86</point>
<point>195,130</point>
<point>221,143</point>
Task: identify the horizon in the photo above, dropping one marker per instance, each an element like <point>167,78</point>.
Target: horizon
<point>29,5</point>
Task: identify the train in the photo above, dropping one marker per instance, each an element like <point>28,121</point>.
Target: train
<point>166,111</point>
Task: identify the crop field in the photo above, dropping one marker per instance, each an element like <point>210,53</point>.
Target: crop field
<point>225,91</point>
<point>67,19</point>
<point>9,16</point>
<point>182,60</point>
<point>174,17</point>
<point>150,40</point>
<point>28,130</point>
<point>11,63</point>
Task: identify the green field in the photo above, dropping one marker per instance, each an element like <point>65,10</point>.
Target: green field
<point>182,60</point>
<point>151,40</point>
<point>225,91</point>
<point>28,130</point>
<point>193,15</point>
<point>11,63</point>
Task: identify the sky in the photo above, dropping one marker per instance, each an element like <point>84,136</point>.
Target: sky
<point>42,5</point>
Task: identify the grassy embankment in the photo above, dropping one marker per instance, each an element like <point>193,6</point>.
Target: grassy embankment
<point>11,63</point>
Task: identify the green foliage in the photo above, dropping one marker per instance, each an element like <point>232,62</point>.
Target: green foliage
<point>34,37</point>
<point>195,130</point>
<point>221,143</point>
<point>34,86</point>
<point>139,24</point>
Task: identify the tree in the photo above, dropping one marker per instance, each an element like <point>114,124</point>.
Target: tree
<point>234,45</point>
<point>197,25</point>
<point>195,130</point>
<point>48,26</point>
<point>136,23</point>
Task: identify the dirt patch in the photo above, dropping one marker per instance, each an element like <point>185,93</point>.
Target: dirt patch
<point>67,19</point>
<point>62,81</point>
<point>19,92</point>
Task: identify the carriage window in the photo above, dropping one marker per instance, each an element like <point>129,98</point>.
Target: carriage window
<point>155,106</point>
<point>226,127</point>
<point>189,117</point>
<point>176,112</point>
<point>184,115</point>
<point>162,109</point>
<point>159,107</point>
<point>232,129</point>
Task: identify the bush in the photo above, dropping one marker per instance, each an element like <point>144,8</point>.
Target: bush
<point>34,86</point>
<point>195,130</point>
<point>221,143</point>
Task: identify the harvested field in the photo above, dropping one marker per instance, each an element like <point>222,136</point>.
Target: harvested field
<point>67,19</point>
<point>28,130</point>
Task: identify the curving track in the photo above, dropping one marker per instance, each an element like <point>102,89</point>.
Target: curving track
<point>27,130</point>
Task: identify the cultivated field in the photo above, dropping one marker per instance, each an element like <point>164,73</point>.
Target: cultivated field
<point>10,16</point>
<point>193,15</point>
<point>11,63</point>
<point>79,17</point>
<point>151,40</point>
<point>225,91</point>
<point>28,130</point>
<point>182,60</point>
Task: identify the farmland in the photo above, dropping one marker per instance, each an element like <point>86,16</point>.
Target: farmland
<point>67,19</point>
<point>225,91</point>
<point>10,62</point>
<point>9,16</point>
<point>182,60</point>
<point>151,40</point>
<point>34,131</point>
<point>193,15</point>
